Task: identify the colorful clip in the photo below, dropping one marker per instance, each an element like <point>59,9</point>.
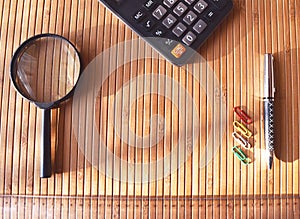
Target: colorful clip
<point>242,141</point>
<point>242,129</point>
<point>240,155</point>
<point>242,114</point>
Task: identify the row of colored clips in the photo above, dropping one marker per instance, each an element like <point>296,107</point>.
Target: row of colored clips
<point>242,141</point>
<point>241,135</point>
<point>243,115</point>
<point>241,155</point>
<point>242,129</point>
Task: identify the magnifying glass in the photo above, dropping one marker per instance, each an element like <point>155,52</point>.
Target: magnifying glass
<point>45,70</point>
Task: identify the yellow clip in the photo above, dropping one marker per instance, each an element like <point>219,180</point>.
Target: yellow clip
<point>242,141</point>
<point>242,129</point>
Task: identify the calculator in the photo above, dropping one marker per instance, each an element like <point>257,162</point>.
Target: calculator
<point>175,28</point>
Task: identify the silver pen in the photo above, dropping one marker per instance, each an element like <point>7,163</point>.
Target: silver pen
<point>268,98</point>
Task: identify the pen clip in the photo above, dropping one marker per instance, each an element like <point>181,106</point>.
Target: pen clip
<point>242,129</point>
<point>269,85</point>
<point>239,139</point>
<point>242,114</point>
<point>241,155</point>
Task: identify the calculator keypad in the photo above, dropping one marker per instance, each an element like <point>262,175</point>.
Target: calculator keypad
<point>183,21</point>
<point>178,16</point>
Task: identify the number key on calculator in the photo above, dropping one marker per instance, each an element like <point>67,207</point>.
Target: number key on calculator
<point>172,26</point>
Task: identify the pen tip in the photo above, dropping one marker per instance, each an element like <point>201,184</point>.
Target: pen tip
<point>270,162</point>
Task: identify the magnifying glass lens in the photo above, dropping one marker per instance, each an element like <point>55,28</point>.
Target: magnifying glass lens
<point>47,69</point>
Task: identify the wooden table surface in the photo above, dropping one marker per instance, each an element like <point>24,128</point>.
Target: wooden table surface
<point>221,187</point>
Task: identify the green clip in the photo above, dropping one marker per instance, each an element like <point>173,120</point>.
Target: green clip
<point>240,155</point>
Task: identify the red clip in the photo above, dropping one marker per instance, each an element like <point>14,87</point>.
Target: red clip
<point>242,115</point>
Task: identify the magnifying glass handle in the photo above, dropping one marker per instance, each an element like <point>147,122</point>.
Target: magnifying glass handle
<point>46,170</point>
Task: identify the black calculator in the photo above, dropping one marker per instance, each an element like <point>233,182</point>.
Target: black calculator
<point>175,28</point>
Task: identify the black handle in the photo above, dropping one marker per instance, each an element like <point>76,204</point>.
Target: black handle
<point>46,169</point>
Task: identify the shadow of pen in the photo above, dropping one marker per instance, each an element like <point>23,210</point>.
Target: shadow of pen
<point>286,105</point>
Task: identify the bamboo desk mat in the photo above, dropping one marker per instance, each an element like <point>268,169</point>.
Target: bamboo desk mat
<point>223,188</point>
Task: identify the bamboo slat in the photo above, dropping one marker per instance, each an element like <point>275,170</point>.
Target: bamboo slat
<point>222,188</point>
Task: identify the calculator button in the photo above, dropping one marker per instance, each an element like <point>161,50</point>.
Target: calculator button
<point>169,43</point>
<point>148,24</point>
<point>178,50</point>
<point>210,15</point>
<point>159,12</point>
<point>169,3</point>
<point>220,3</point>
<point>169,21</point>
<point>200,6</point>
<point>189,1</point>
<point>180,9</point>
<point>179,29</point>
<point>159,32</point>
<point>139,15</point>
<point>149,4</point>
<point>190,17</point>
<point>200,26</point>
<point>189,38</point>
